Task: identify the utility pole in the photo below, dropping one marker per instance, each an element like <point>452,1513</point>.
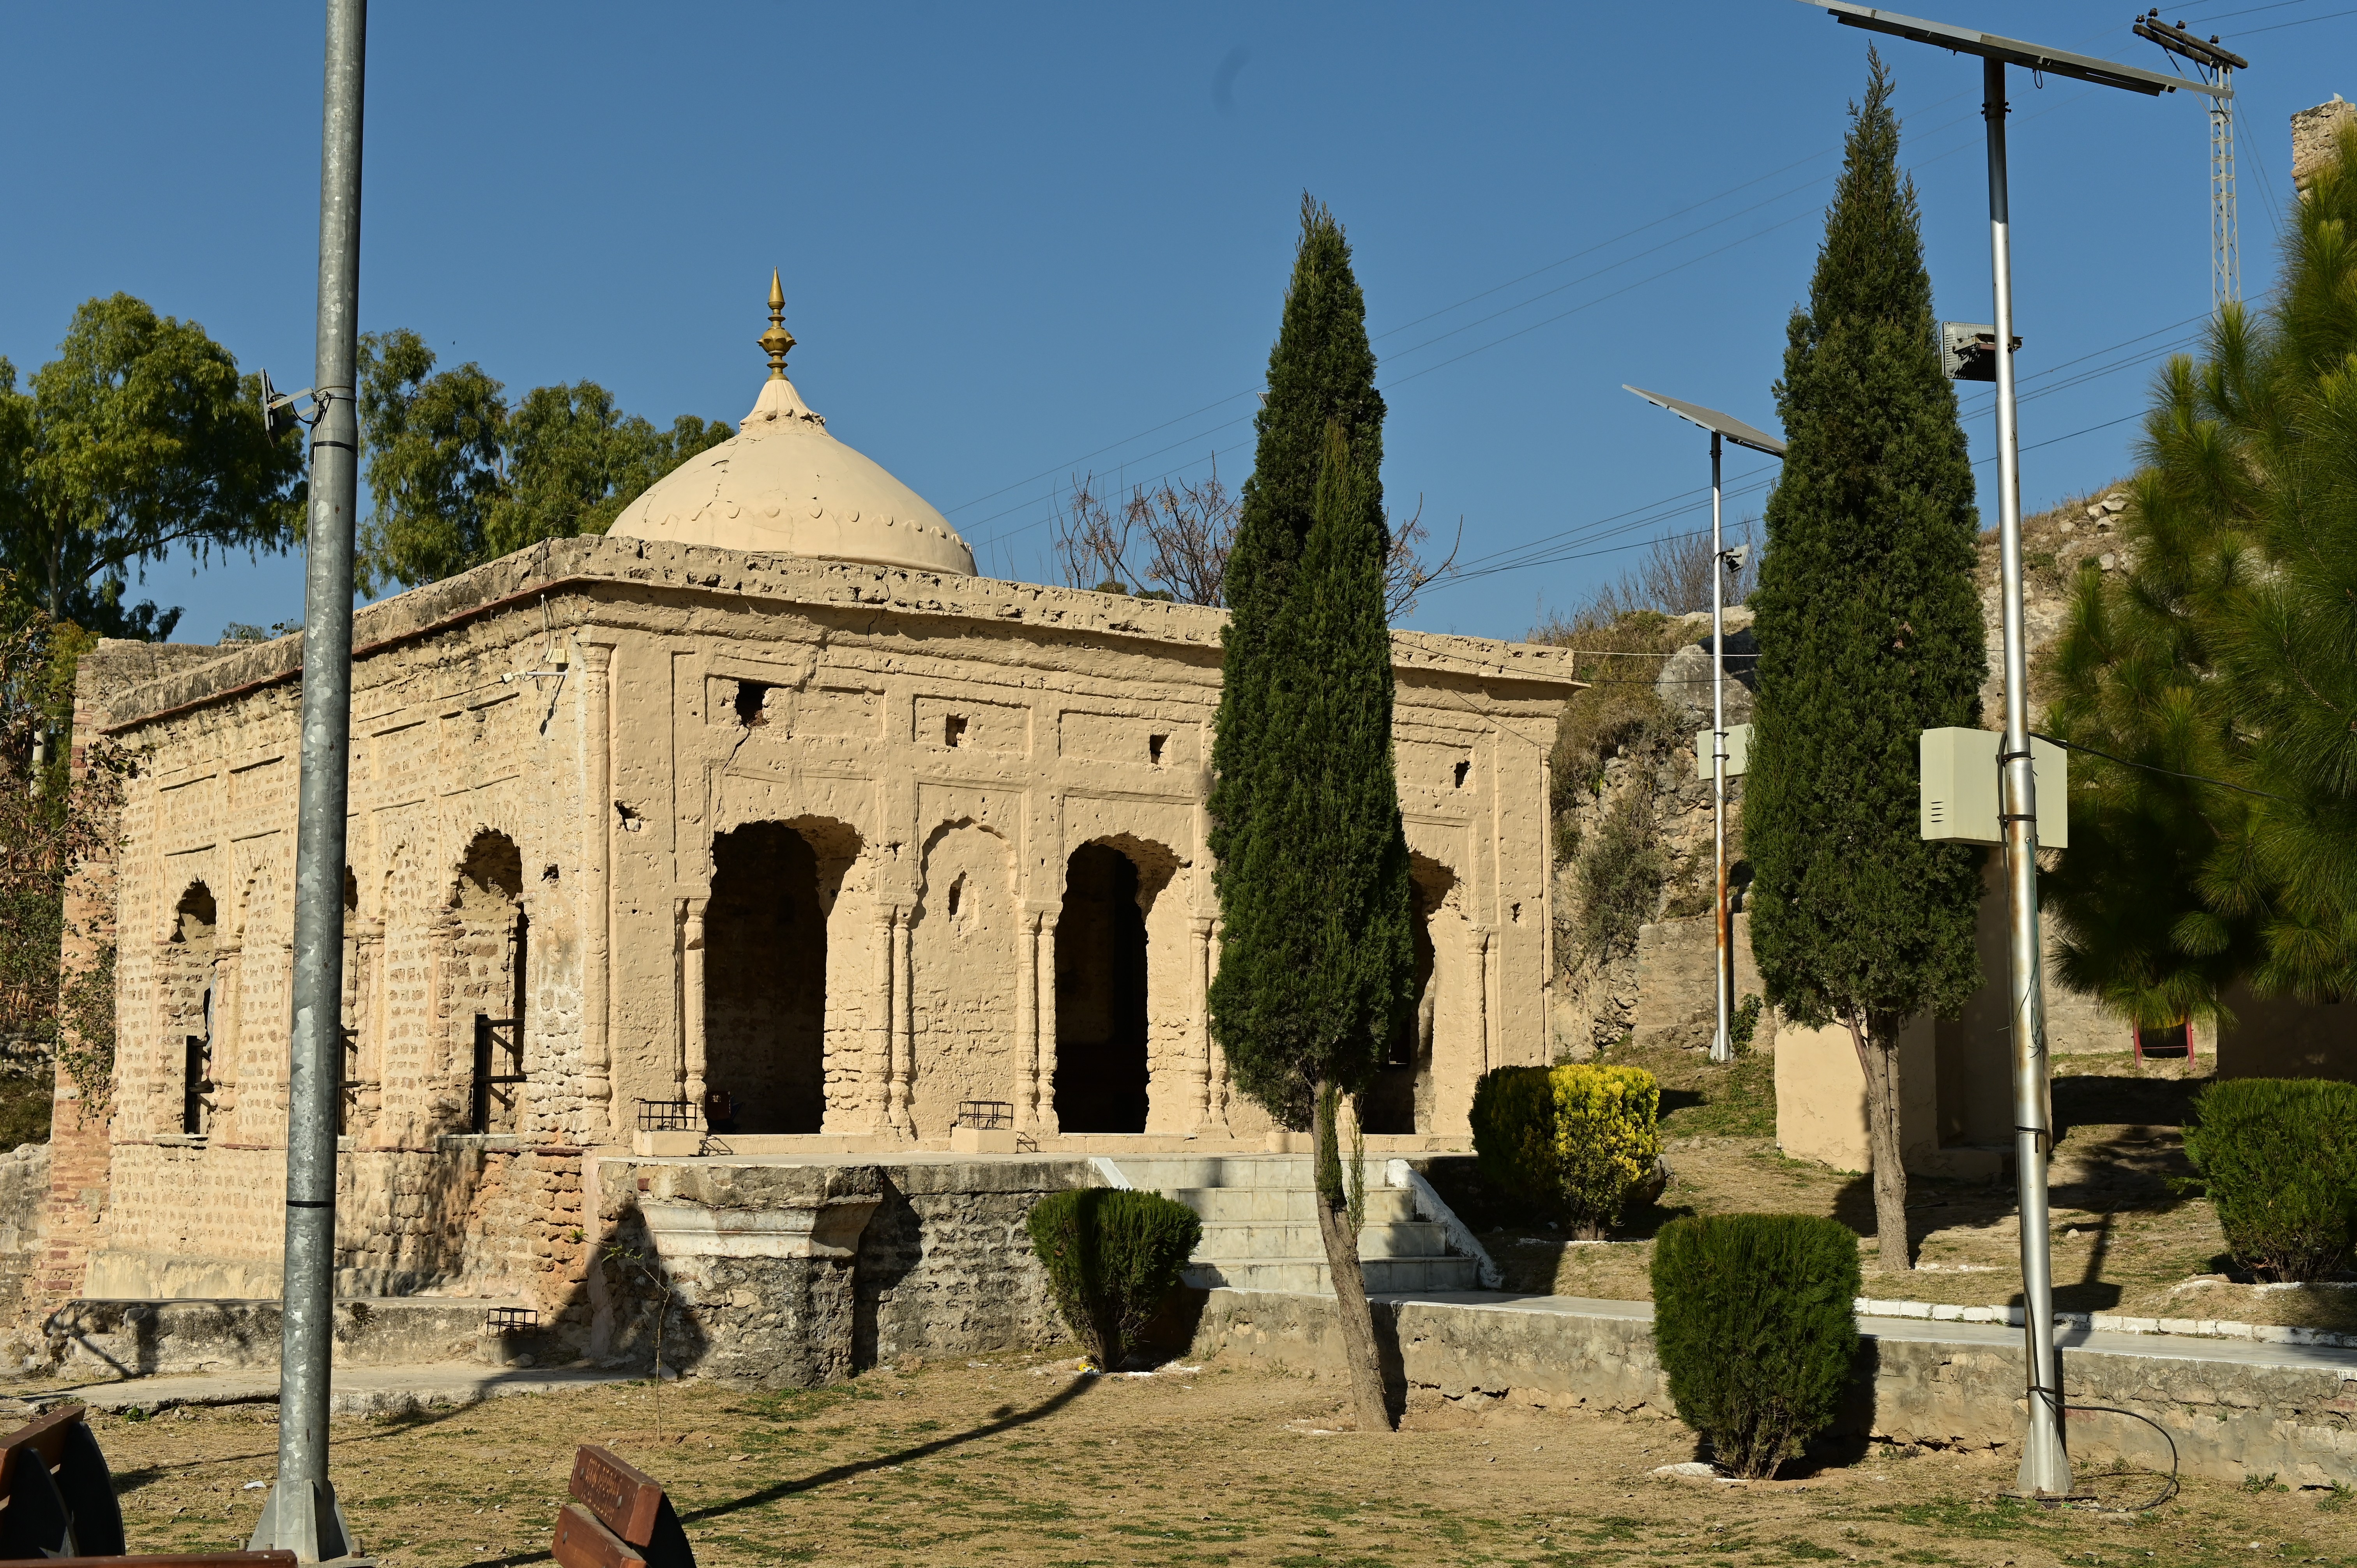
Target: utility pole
<point>1722,427</point>
<point>2217,67</point>
<point>301,1514</point>
<point>2045,1474</point>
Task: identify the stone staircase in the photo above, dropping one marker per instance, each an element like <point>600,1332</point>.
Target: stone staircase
<point>1260,1232</point>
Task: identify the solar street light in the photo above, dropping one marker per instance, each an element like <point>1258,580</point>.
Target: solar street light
<point>2045,1465</point>
<point>1722,427</point>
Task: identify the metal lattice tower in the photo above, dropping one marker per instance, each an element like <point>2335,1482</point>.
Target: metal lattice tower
<point>2225,246</point>
<point>2216,66</point>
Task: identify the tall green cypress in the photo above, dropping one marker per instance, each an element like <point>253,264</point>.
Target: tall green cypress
<point>1870,633</point>
<point>1317,960</point>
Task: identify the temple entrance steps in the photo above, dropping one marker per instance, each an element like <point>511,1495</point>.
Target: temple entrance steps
<point>1260,1225</point>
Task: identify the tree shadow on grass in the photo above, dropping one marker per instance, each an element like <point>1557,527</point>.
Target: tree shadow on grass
<point>1006,1418</point>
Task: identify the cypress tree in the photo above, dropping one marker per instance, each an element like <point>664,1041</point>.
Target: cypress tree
<point>1316,959</point>
<point>1870,633</point>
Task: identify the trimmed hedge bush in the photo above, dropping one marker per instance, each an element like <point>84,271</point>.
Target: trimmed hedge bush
<point>1111,1256</point>
<point>1582,1138</point>
<point>2278,1156</point>
<point>1754,1321</point>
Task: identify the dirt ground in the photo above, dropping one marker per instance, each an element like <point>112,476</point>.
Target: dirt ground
<point>1013,1460</point>
<point>2127,1239</point>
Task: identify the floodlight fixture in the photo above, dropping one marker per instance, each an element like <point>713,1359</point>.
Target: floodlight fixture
<point>1723,427</point>
<point>2045,1463</point>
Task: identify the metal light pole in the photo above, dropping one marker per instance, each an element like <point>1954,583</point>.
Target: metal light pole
<point>301,1514</point>
<point>2045,1463</point>
<point>1721,427</point>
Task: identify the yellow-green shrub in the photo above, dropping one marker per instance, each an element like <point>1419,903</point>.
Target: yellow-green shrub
<point>1581,1138</point>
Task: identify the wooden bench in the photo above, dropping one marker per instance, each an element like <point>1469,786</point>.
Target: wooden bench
<point>57,1506</point>
<point>627,1521</point>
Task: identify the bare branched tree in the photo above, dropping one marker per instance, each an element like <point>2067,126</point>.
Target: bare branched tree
<point>1674,577</point>
<point>1184,529</point>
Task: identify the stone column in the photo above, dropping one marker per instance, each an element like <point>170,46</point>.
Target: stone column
<point>1219,1093</point>
<point>600,1107</point>
<point>1202,1074</point>
<point>692,999</point>
<point>1026,1020</point>
<point>877,1076</point>
<point>904,1026</point>
<point>1484,944</point>
<point>1047,986</point>
<point>228,979</point>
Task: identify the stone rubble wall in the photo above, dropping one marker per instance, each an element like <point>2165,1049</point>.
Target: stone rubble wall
<point>940,1265</point>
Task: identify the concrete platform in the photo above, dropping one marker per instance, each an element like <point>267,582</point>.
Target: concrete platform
<point>2233,1409</point>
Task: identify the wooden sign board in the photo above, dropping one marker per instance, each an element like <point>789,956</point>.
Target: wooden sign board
<point>629,1503</point>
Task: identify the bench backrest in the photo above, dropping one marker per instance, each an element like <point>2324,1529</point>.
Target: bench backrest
<point>619,1517</point>
<point>57,1498</point>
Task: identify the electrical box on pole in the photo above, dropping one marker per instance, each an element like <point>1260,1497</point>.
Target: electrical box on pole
<point>1738,751</point>
<point>1959,788</point>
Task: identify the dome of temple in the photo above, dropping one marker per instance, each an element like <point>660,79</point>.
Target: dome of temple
<point>782,484</point>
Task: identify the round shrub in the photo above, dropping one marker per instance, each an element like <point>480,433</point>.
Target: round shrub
<point>2278,1158</point>
<point>1754,1321</point>
<point>1581,1139</point>
<point>1111,1256</point>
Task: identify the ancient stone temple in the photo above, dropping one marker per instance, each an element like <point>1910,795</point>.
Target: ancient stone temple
<point>758,829</point>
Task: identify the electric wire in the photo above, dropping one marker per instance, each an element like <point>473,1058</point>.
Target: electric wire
<point>2154,767</point>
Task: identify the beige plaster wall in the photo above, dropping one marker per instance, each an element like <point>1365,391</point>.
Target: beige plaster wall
<point>921,732</point>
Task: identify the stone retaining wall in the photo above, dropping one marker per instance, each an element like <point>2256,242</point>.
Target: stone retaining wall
<point>2233,1411</point>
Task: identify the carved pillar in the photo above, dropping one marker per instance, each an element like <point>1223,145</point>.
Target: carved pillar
<point>1026,1020</point>
<point>227,980</point>
<point>1046,983</point>
<point>876,1086</point>
<point>1218,1092</point>
<point>904,1026</point>
<point>1201,1074</point>
<point>691,1000</point>
<point>596,904</point>
<point>1484,943</point>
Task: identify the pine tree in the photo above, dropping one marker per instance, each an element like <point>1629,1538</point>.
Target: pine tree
<point>1316,959</point>
<point>1870,633</point>
<point>2227,650</point>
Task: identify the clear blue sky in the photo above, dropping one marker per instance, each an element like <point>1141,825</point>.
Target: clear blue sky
<point>1023,243</point>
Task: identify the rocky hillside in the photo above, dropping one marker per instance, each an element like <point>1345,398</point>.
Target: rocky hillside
<point>1633,862</point>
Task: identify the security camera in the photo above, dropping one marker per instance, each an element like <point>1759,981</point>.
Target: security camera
<point>1735,556</point>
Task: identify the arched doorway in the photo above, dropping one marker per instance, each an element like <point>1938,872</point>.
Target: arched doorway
<point>1399,1098</point>
<point>765,983</point>
<point>187,997</point>
<point>490,968</point>
<point>1101,1044</point>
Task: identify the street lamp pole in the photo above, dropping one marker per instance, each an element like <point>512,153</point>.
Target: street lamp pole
<point>1723,428</point>
<point>2045,1462</point>
<point>300,1514</point>
<point>1722,1039</point>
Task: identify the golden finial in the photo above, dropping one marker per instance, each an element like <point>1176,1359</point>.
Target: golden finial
<point>777,339</point>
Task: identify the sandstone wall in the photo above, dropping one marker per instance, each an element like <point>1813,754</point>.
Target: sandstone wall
<point>545,751</point>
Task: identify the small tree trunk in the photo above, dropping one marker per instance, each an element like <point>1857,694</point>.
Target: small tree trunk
<point>1356,1317</point>
<point>1877,1037</point>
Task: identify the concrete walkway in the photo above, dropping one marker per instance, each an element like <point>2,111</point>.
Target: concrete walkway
<point>355,1390</point>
